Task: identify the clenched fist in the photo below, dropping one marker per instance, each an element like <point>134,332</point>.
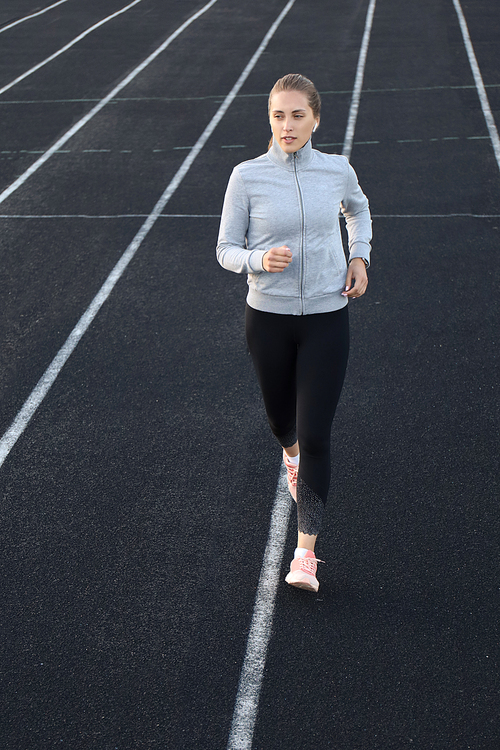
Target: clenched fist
<point>277,259</point>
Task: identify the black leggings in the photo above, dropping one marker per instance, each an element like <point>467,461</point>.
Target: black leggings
<point>300,362</point>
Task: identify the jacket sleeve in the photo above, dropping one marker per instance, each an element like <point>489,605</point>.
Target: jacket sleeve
<point>356,212</point>
<point>232,250</point>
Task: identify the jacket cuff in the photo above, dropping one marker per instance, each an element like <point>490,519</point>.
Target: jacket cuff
<point>255,261</point>
<point>360,251</point>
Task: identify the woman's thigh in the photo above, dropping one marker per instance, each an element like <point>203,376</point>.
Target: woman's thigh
<point>272,344</point>
<point>321,365</point>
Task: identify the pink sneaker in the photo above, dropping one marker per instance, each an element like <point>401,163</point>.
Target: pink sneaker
<point>291,475</point>
<point>303,572</point>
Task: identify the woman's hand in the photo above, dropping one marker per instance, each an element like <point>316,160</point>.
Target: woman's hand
<point>277,259</point>
<point>356,278</point>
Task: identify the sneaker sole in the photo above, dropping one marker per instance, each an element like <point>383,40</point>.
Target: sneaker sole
<point>302,581</point>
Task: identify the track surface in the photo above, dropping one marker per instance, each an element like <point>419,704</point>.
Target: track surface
<point>136,503</point>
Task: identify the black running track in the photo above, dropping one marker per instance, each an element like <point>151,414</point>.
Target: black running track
<point>136,503</point>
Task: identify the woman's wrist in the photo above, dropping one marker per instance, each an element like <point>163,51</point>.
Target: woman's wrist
<point>365,261</point>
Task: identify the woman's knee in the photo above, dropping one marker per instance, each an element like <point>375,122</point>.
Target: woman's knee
<point>285,434</point>
<point>313,445</point>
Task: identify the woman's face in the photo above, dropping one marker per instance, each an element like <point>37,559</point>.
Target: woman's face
<point>292,120</point>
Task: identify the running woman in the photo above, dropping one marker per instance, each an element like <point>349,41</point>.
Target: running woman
<point>280,225</point>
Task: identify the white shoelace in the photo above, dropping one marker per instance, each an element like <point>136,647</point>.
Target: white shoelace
<point>308,565</point>
<point>292,472</point>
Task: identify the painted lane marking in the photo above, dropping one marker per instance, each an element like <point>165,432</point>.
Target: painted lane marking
<point>478,79</point>
<point>217,97</point>
<point>436,216</point>
<point>247,699</point>
<point>217,216</point>
<point>358,82</point>
<point>245,711</point>
<point>107,216</point>
<point>33,15</point>
<point>7,152</point>
<point>67,47</point>
<point>86,118</point>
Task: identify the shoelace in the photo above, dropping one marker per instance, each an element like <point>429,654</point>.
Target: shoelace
<point>308,564</point>
<point>292,472</point>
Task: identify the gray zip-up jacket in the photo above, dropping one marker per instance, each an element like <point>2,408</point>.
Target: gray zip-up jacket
<point>293,199</point>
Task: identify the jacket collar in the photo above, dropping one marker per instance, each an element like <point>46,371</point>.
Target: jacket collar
<point>299,159</point>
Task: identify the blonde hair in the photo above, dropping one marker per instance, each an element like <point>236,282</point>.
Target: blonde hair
<point>297,82</point>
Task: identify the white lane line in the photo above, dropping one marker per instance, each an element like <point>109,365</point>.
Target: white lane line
<point>247,699</point>
<point>43,386</point>
<point>358,82</point>
<point>67,47</point>
<point>240,96</point>
<point>86,118</point>
<point>436,216</point>
<point>33,15</point>
<point>11,152</point>
<point>483,97</point>
<point>245,712</point>
<point>217,216</point>
<point>107,216</point>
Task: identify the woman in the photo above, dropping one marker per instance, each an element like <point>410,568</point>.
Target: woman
<point>280,226</point>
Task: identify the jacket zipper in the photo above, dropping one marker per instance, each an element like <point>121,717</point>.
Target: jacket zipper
<point>301,207</point>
